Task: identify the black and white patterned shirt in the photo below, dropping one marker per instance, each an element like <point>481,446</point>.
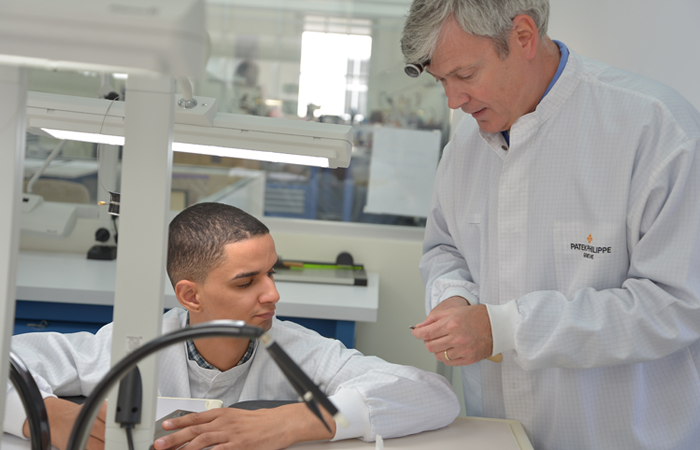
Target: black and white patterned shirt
<point>193,354</point>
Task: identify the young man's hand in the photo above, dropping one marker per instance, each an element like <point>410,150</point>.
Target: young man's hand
<point>62,417</point>
<point>263,429</point>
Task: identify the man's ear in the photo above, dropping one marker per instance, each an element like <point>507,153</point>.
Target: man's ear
<point>186,293</point>
<point>525,36</point>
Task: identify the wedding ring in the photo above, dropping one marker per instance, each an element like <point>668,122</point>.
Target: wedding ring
<point>446,357</point>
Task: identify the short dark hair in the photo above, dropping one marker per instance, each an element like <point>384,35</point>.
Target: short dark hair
<point>197,237</point>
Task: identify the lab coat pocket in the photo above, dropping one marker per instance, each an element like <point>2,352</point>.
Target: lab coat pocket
<point>589,255</point>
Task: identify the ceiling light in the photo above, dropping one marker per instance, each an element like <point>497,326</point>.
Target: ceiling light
<point>85,137</point>
<point>242,153</point>
<point>200,130</point>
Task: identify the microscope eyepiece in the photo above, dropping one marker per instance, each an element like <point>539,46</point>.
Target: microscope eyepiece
<point>414,70</point>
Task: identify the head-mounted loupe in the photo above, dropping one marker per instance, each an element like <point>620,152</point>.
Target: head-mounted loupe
<point>413,70</point>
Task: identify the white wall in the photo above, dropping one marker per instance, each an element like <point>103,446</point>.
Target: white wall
<point>393,253</point>
<point>657,39</point>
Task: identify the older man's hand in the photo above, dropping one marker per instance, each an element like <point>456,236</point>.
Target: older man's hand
<point>456,332</point>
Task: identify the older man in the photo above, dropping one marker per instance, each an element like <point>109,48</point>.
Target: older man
<point>564,233</point>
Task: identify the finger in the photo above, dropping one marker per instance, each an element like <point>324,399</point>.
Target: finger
<point>179,438</point>
<point>98,426</point>
<point>453,357</point>
<point>173,440</point>
<point>95,444</point>
<point>96,440</point>
<point>102,413</point>
<point>195,418</point>
<point>441,310</point>
<point>208,439</point>
<point>444,356</point>
<point>464,355</point>
<point>428,320</point>
<point>439,345</point>
<point>417,332</point>
<point>455,362</point>
<point>98,431</point>
<point>437,314</point>
<point>431,332</point>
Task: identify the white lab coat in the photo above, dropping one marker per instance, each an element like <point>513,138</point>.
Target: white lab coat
<point>583,239</point>
<point>376,396</point>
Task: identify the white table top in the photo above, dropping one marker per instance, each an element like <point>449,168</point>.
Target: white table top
<point>463,433</point>
<point>72,278</point>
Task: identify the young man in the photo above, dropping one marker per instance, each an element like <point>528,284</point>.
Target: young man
<point>564,233</point>
<point>220,262</point>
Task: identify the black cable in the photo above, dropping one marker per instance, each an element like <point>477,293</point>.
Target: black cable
<point>89,410</point>
<point>130,437</point>
<point>308,390</point>
<point>305,387</point>
<point>116,230</point>
<point>129,403</point>
<point>113,96</point>
<point>37,416</point>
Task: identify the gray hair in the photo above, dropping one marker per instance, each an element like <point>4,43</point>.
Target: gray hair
<point>492,19</point>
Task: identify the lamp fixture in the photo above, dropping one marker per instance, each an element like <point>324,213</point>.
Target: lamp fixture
<point>200,130</point>
<point>213,150</point>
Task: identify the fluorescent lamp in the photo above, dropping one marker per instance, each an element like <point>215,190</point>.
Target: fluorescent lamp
<point>195,148</point>
<point>199,130</point>
<point>227,152</point>
<point>85,137</point>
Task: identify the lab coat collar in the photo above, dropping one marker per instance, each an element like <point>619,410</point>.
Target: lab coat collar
<point>529,124</point>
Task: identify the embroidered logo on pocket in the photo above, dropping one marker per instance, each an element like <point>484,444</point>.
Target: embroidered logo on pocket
<point>589,255</point>
<point>589,251</point>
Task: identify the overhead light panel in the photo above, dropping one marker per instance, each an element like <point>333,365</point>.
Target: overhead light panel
<point>227,152</point>
<point>224,152</point>
<point>85,137</point>
<point>200,130</point>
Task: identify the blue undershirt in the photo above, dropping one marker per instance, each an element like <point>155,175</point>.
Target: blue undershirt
<point>562,63</point>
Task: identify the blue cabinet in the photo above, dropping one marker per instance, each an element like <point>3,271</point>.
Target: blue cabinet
<point>61,317</point>
<point>32,316</point>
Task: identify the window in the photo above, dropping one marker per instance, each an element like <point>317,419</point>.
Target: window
<point>334,70</point>
<point>333,65</point>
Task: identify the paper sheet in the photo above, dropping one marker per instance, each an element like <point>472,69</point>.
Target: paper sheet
<point>166,405</point>
<point>402,171</point>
